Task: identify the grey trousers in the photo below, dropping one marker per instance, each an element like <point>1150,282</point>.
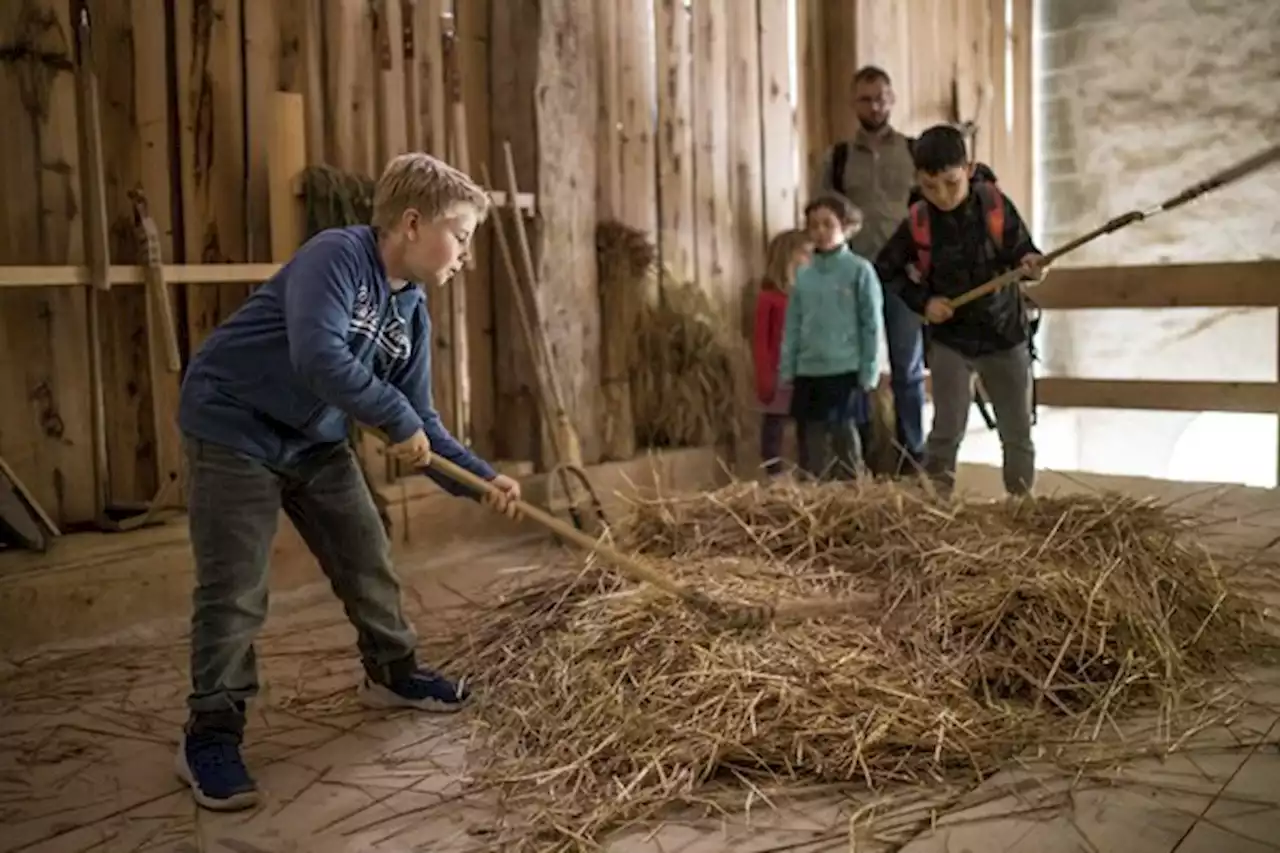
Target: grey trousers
<point>1006,379</point>
<point>234,502</point>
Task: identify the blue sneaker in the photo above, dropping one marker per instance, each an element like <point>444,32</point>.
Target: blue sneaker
<point>422,690</point>
<point>211,765</point>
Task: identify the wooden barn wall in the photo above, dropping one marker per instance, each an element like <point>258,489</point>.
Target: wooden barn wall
<point>941,56</point>
<point>684,119</point>
<point>186,94</point>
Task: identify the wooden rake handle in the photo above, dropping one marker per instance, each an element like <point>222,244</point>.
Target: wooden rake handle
<point>637,570</point>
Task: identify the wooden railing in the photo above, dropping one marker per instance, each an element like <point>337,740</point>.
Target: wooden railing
<point>1253,284</point>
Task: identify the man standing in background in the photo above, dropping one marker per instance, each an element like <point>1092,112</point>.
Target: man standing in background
<point>874,170</point>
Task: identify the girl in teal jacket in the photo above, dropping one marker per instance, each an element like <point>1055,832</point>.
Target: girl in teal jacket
<point>831,340</point>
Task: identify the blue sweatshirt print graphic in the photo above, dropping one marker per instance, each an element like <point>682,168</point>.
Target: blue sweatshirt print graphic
<point>322,342</point>
<point>833,321</point>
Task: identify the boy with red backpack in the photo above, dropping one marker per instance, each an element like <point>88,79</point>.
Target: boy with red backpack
<point>960,234</point>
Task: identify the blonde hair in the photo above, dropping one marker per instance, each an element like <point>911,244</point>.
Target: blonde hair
<point>431,186</point>
<point>782,250</point>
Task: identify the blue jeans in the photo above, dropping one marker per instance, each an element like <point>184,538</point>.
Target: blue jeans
<point>233,505</point>
<point>904,331</point>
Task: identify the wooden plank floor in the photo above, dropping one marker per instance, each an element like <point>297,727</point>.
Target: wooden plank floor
<point>87,736</point>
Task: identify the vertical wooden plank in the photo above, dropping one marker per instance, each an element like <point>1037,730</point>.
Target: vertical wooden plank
<point>997,131</point>
<point>122,311</point>
<point>473,41</point>
<point>814,115</point>
<point>286,147</point>
<point>314,82</point>
<point>746,185</point>
<point>779,162</point>
<point>838,40</point>
<point>262,81</point>
<point>44,361</point>
<point>566,118</point>
<point>142,446</point>
<point>211,144</point>
<point>608,139</point>
<point>513,63</point>
<point>1021,148</point>
<point>155,163</point>
<point>388,31</point>
<point>413,89</point>
<point>676,222</point>
<point>636,95</point>
<point>713,222</point>
<point>434,126</point>
<point>350,120</point>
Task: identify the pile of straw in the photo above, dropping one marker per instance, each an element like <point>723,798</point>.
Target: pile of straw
<point>999,627</point>
<point>687,379</point>
<point>666,346</point>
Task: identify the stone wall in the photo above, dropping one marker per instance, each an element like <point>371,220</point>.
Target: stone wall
<point>1139,99</point>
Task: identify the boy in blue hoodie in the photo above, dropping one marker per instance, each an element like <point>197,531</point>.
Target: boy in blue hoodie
<point>339,334</point>
<point>831,340</point>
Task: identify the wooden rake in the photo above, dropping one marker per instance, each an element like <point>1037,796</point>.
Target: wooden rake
<point>1230,175</point>
<point>729,614</point>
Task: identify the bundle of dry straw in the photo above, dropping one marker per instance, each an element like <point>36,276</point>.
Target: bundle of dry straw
<point>999,627</point>
<point>682,360</point>
<point>686,380</point>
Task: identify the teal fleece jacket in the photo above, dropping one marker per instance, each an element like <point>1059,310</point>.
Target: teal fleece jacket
<point>834,318</point>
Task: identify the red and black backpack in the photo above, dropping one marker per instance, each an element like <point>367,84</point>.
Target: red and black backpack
<point>991,201</point>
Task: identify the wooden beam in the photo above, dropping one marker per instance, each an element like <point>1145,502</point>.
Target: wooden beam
<point>634,43</point>
<point>211,120</point>
<point>565,108</point>
<point>746,189</point>
<point>474,27</point>
<point>55,276</point>
<point>779,153</point>
<point>1067,393</point>
<point>1223,285</point>
<point>711,154</point>
<point>286,157</point>
<point>678,237</point>
<point>513,71</point>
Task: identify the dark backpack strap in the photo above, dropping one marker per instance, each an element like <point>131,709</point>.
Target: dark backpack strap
<point>839,158</point>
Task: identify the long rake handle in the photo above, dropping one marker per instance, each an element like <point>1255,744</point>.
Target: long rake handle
<point>637,570</point>
<point>1233,173</point>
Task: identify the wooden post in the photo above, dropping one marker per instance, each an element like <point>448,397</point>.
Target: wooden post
<point>513,63</point>
<point>211,144</point>
<point>636,93</point>
<point>286,158</point>
<point>745,143</point>
<point>676,220</point>
<point>459,153</point>
<point>474,28</point>
<point>776,116</point>
<point>715,259</point>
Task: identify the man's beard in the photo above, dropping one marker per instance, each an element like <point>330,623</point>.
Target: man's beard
<point>873,126</point>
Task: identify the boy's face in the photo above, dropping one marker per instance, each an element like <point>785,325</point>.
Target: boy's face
<point>945,190</point>
<point>435,250</point>
<point>826,230</point>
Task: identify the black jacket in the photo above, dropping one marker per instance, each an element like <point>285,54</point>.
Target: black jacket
<point>963,257</point>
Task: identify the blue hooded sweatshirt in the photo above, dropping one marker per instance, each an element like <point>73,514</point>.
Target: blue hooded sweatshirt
<point>325,340</point>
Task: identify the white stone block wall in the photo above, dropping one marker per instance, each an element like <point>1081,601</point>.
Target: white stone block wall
<point>1138,99</point>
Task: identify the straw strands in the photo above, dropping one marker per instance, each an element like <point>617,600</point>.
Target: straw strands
<point>999,628</point>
